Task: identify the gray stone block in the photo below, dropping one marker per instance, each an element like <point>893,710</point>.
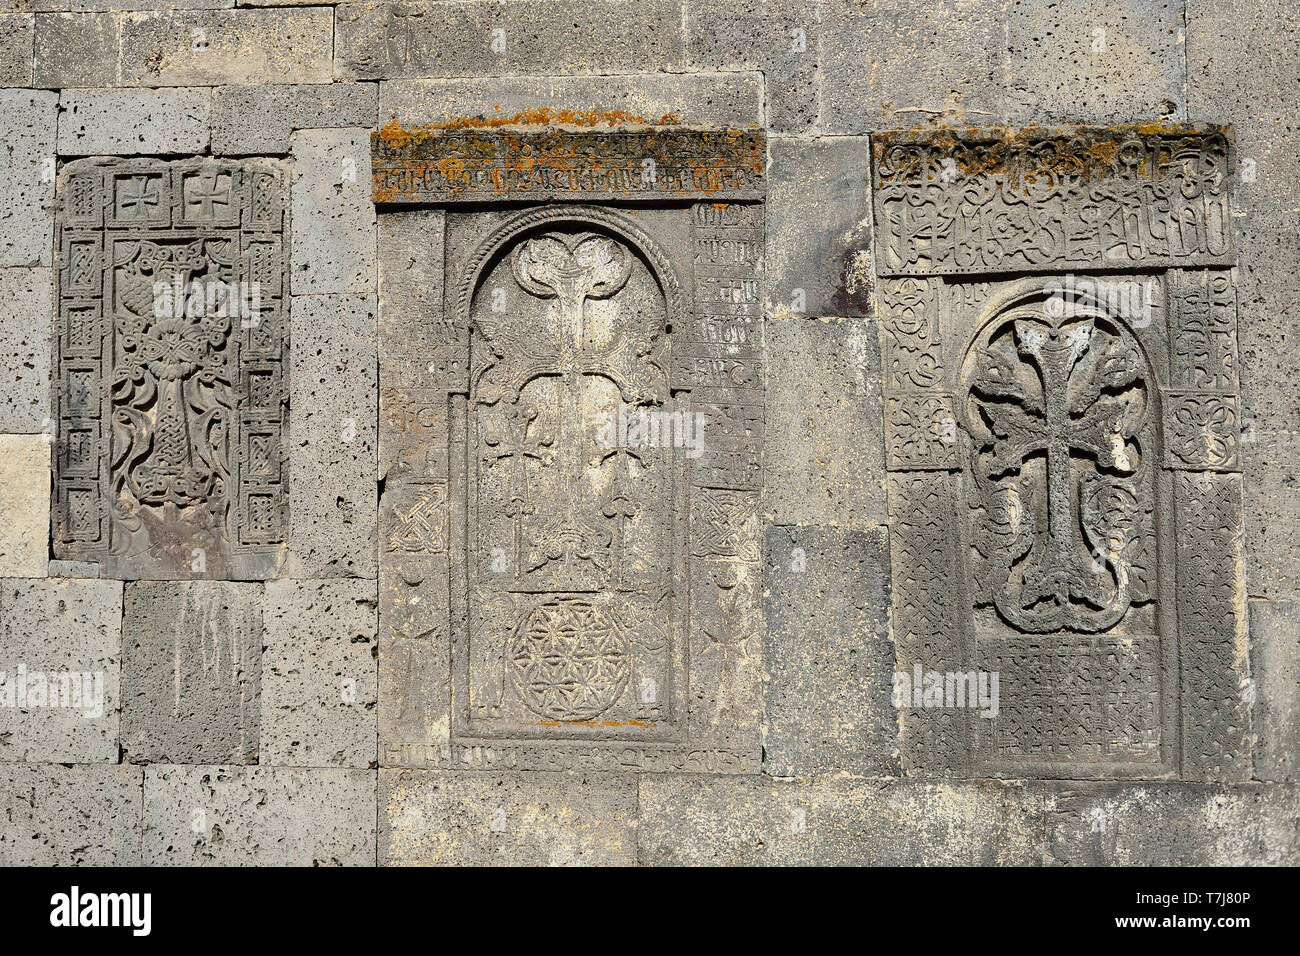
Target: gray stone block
<point>819,227</point>
<point>333,511</point>
<point>823,399</point>
<point>333,215</point>
<point>431,818</point>
<point>319,676</point>
<point>25,348</point>
<point>77,49</point>
<point>28,119</point>
<point>829,655</point>
<point>779,37</point>
<point>897,64</point>
<point>1271,557</point>
<point>74,569</point>
<point>191,671</point>
<point>749,821</point>
<point>17,37</point>
<point>705,99</point>
<point>217,47</point>
<point>1085,62</point>
<point>1275,669</point>
<point>24,506</point>
<point>60,644</point>
<point>82,815</point>
<point>482,38</point>
<point>258,120</point>
<point>121,5</point>
<point>1173,824</point>
<point>269,816</point>
<point>133,122</point>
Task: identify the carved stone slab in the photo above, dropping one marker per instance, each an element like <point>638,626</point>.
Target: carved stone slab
<point>170,383</point>
<point>572,436</point>
<point>486,165</point>
<point>1047,200</point>
<point>1039,431</point>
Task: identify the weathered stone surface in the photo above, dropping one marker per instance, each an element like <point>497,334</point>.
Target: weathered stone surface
<point>85,815</point>
<point>120,5</point>
<point>25,348</point>
<point>77,49</point>
<point>60,644</point>
<point>1076,62</point>
<point>319,674</point>
<point>507,819</point>
<point>170,390</point>
<point>333,217</point>
<point>17,36</point>
<point>248,120</point>
<point>24,505</point>
<point>332,453</point>
<point>191,671</point>
<point>700,99</point>
<point>896,64</point>
<point>746,821</point>
<point>27,121</point>
<point>824,400</point>
<point>1275,671</point>
<point>216,47</point>
<point>270,816</point>
<point>483,38</point>
<point>819,227</point>
<point>73,569</point>
<point>1173,824</point>
<point>828,653</point>
<point>779,37</point>
<point>133,122</point>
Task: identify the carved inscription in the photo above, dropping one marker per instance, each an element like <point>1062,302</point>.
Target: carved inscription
<point>171,381</point>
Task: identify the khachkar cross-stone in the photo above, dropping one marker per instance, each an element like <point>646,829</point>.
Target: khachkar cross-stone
<point>1062,385</point>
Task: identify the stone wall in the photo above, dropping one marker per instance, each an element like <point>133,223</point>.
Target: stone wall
<point>259,556</point>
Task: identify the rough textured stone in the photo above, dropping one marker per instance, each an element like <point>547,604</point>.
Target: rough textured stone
<point>74,569</point>
<point>191,671</point>
<point>507,819</point>
<point>824,399</point>
<point>69,632</point>
<point>133,122</point>
<point>83,815</point>
<point>216,47</point>
<point>378,39</point>
<point>333,216</point>
<point>332,452</point>
<point>269,816</point>
<point>27,121</point>
<point>17,37</point>
<point>24,505</point>
<point>828,654</point>
<point>705,99</point>
<point>1275,669</point>
<point>319,674</point>
<point>819,227</point>
<point>25,346</point>
<point>77,49</point>
<point>248,120</point>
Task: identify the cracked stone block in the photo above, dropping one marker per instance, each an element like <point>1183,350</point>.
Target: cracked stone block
<point>481,38</point>
<point>216,47</point>
<point>332,462</point>
<point>17,36</point>
<point>251,120</point>
<point>133,122</point>
<point>60,649</point>
<point>319,675</point>
<point>77,49</point>
<point>823,398</point>
<point>191,671</point>
<point>25,347</point>
<point>269,816</point>
<point>333,214</point>
<point>1275,669</point>
<point>83,815</point>
<point>430,818</point>
<point>829,654</point>
<point>24,506</point>
<point>27,122</point>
